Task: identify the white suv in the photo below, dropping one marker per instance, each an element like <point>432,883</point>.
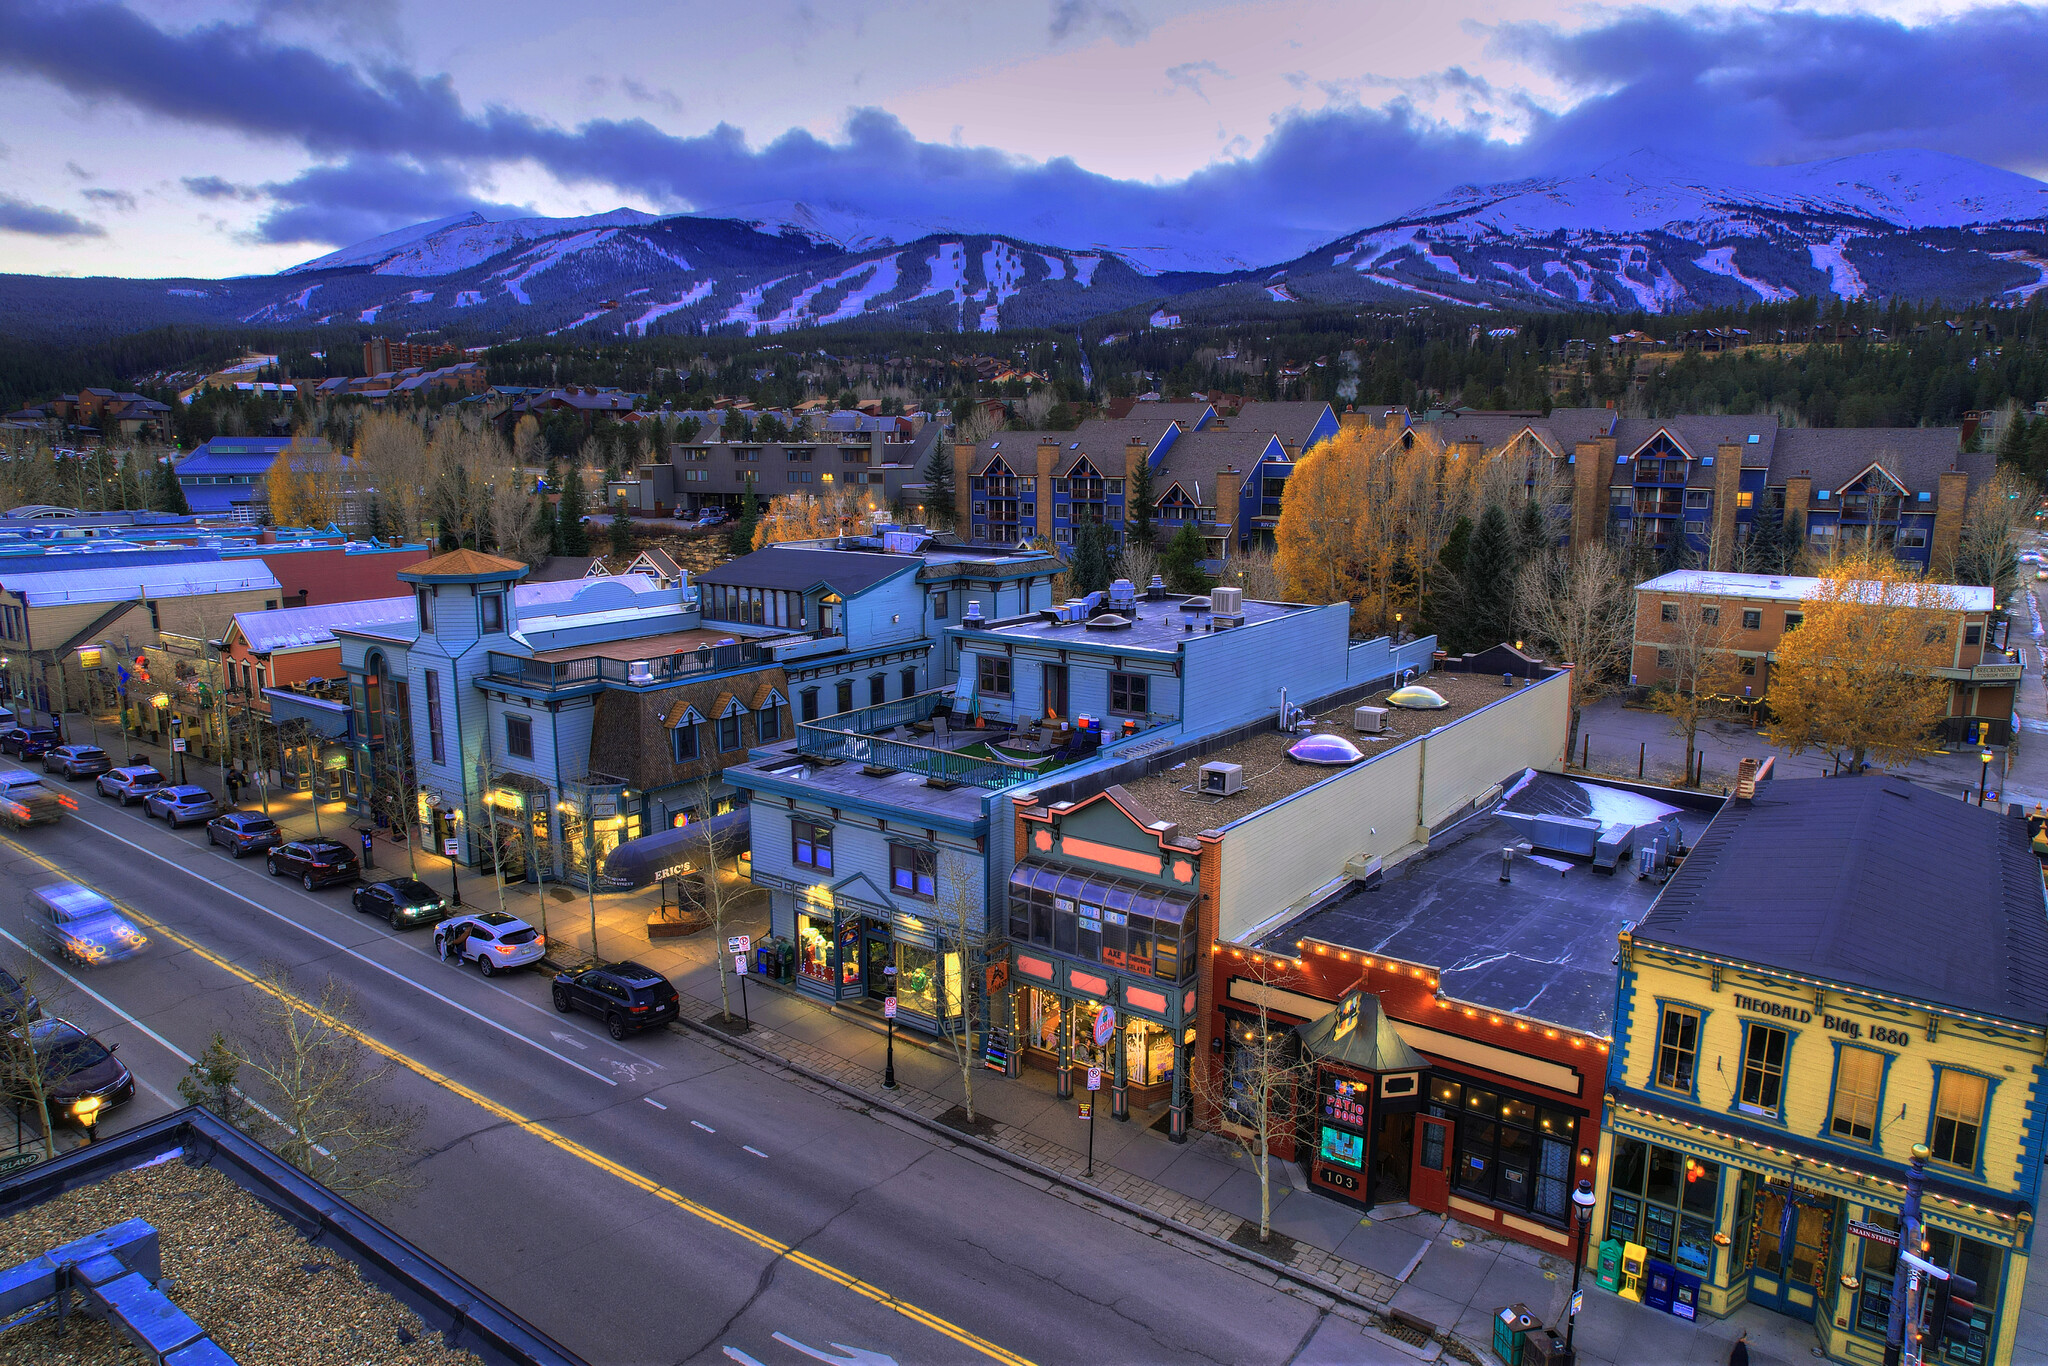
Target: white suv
<point>496,941</point>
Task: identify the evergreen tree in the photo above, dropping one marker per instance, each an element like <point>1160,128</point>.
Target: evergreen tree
<point>547,531</point>
<point>742,538</point>
<point>1533,533</point>
<point>572,535</point>
<point>1452,556</point>
<point>1181,563</point>
<point>169,495</point>
<point>1765,552</point>
<point>1139,504</point>
<point>1089,569</point>
<point>621,533</point>
<point>1488,581</point>
<point>2012,445</point>
<point>938,485</point>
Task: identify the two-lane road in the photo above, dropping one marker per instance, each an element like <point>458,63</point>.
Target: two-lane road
<point>653,1200</point>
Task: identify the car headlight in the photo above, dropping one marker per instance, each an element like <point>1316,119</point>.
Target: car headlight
<point>85,1107</point>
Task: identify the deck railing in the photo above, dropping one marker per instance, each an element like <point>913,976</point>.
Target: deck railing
<point>856,736</point>
<point>653,672</point>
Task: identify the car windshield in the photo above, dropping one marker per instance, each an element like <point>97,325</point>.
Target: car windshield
<point>414,892</point>
<point>71,1052</point>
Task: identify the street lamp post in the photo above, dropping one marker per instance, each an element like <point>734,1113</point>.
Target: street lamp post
<point>1582,1215</point>
<point>889,1067</point>
<point>1984,777</point>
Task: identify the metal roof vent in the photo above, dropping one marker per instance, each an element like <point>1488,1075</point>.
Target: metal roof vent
<point>973,620</point>
<point>1109,621</point>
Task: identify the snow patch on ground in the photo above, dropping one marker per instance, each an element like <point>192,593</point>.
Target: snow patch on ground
<point>748,309</point>
<point>571,327</point>
<point>1721,261</point>
<point>1341,257</point>
<point>1084,269</point>
<point>548,255</point>
<point>1055,267</point>
<point>200,293</point>
<point>888,271</point>
<point>1161,318</point>
<point>949,273</point>
<point>468,298</point>
<point>1612,804</point>
<point>418,296</point>
<point>1844,279</point>
<point>300,301</point>
<point>2040,266</point>
<point>798,313</point>
<point>369,315</point>
<point>692,295</point>
<point>1280,294</point>
<point>1655,295</point>
<point>1446,265</point>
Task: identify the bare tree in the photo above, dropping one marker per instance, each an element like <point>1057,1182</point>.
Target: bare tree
<point>975,426</point>
<point>703,889</point>
<point>1254,1094</point>
<point>1697,663</point>
<point>391,455</point>
<point>961,924</point>
<point>1577,606</point>
<point>307,1063</point>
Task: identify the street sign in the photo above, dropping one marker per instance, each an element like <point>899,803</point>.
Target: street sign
<point>1578,1303</point>
<point>888,1007</point>
<point>1105,1025</point>
<point>739,964</point>
<point>739,943</point>
<point>1095,1079</point>
<point>451,847</point>
<point>1876,1233</point>
<point>177,746</point>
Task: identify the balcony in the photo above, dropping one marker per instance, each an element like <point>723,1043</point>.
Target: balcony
<point>596,671</point>
<point>904,736</point>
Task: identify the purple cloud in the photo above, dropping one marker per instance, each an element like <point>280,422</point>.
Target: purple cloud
<point>213,187</point>
<point>365,196</point>
<point>35,220</point>
<point>112,199</point>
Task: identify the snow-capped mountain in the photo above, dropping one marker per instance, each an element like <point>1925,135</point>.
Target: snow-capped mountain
<point>1641,232</point>
<point>1646,232</point>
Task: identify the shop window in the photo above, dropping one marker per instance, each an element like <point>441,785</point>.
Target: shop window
<point>1859,1075</point>
<point>436,745</point>
<point>684,742</point>
<point>728,732</point>
<point>1678,1046</point>
<point>1805,1260</point>
<point>1958,1118</point>
<point>913,871</point>
<point>1509,1151</point>
<point>1763,1069</point>
<point>1984,1264</point>
<point>518,735</point>
<point>1752,619</point>
<point>994,675</point>
<point>1666,1201</point>
<point>918,984</point>
<point>1129,694</point>
<point>1880,1265</point>
<point>768,723</point>
<point>814,948</point>
<point>811,845</point>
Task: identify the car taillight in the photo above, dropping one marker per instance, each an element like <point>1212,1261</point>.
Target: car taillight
<point>638,1009</point>
<point>68,802</point>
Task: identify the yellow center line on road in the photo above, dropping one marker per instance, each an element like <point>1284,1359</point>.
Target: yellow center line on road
<point>557,1140</point>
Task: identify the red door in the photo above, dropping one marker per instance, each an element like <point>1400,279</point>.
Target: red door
<point>1429,1182</point>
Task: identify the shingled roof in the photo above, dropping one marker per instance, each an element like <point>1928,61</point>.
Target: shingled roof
<point>1869,882</point>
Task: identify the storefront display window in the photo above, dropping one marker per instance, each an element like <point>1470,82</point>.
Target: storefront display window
<point>814,948</point>
<point>917,980</point>
<point>1880,1263</point>
<point>1666,1201</point>
<point>1148,1048</point>
<point>1510,1151</point>
<point>1123,924</point>
<point>1339,1146</point>
<point>1148,1053</point>
<point>1983,1264</point>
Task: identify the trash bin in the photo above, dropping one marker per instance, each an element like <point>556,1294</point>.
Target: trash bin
<point>788,972</point>
<point>1660,1279</point>
<point>1685,1296</point>
<point>1509,1325</point>
<point>1542,1347</point>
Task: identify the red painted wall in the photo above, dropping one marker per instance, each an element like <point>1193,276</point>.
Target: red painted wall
<point>330,574</point>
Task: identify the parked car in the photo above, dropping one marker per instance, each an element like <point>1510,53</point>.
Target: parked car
<point>130,784</point>
<point>31,742</point>
<point>78,761</point>
<point>80,924</point>
<point>711,517</point>
<point>81,1077</point>
<point>16,1003</point>
<point>25,801</point>
<point>496,941</point>
<point>182,805</point>
<point>404,901</point>
<point>316,863</point>
<point>626,996</point>
<point>244,832</point>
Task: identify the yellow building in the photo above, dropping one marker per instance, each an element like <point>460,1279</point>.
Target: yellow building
<point>1838,970</point>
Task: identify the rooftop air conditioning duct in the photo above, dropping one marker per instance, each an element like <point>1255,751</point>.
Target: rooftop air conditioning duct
<point>1369,720</point>
<point>1227,605</point>
<point>1221,780</point>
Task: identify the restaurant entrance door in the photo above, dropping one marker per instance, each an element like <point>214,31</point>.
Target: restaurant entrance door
<point>1429,1182</point>
<point>1393,1153</point>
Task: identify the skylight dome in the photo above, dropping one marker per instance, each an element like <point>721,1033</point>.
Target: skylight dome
<point>1415,697</point>
<point>1333,750</point>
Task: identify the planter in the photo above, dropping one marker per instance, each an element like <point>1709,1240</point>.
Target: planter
<point>673,929</point>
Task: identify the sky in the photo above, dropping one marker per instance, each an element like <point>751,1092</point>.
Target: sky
<point>200,138</point>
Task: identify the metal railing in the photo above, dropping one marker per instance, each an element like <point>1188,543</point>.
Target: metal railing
<point>653,672</point>
<point>855,736</point>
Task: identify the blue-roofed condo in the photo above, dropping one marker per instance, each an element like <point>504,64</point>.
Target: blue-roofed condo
<point>226,475</point>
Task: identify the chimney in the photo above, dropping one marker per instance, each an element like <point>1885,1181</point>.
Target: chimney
<point>1727,490</point>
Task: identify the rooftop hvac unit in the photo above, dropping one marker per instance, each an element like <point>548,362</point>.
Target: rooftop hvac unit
<point>1369,720</point>
<point>1222,780</point>
<point>1227,604</point>
<point>639,671</point>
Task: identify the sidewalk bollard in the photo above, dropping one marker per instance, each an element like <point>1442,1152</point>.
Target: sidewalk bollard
<point>1642,750</point>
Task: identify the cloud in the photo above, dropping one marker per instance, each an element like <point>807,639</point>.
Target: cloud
<point>112,199</point>
<point>18,215</point>
<point>1750,86</point>
<point>78,170</point>
<point>213,187</point>
<point>363,197</point>
<point>1190,75</point>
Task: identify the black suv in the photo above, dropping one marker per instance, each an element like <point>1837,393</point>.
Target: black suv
<point>15,1001</point>
<point>404,901</point>
<point>244,832</point>
<point>626,996</point>
<point>314,862</point>
<point>31,742</point>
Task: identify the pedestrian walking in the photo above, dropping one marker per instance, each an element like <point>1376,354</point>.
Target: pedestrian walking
<point>234,782</point>
<point>1738,1355</point>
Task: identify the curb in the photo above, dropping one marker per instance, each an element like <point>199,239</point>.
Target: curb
<point>1279,1270</point>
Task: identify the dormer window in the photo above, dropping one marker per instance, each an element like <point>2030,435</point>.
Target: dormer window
<point>492,608</point>
<point>425,597</point>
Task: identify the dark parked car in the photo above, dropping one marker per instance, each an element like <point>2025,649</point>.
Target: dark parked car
<point>130,784</point>
<point>31,742</point>
<point>182,805</point>
<point>244,832</point>
<point>82,1079</point>
<point>78,761</point>
<point>314,862</point>
<point>626,996</point>
<point>15,1002</point>
<point>404,901</point>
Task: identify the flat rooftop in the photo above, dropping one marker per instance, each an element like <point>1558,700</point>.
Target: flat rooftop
<point>1270,775</point>
<point>1541,945</point>
<point>1791,588</point>
<point>640,647</point>
<point>1159,626</point>
<point>905,791</point>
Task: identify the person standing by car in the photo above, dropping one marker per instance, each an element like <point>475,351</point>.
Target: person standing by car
<point>233,780</point>
<point>452,943</point>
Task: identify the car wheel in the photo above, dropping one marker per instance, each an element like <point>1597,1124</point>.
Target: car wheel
<point>308,880</point>
<point>616,1026</point>
<point>397,921</point>
<point>483,965</point>
<point>270,866</point>
<point>235,850</point>
<point>562,1001</point>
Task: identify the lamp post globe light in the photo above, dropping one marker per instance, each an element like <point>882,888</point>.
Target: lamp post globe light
<point>1984,781</point>
<point>1582,1215</point>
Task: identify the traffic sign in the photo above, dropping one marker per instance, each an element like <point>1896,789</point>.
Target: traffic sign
<point>888,1007</point>
<point>739,943</point>
<point>177,746</point>
<point>1095,1079</point>
<point>739,964</point>
<point>451,847</point>
<point>1105,1025</point>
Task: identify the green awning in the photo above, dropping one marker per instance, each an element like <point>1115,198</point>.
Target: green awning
<point>1367,1040</point>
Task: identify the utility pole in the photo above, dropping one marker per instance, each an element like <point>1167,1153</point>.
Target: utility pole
<point>1905,1315</point>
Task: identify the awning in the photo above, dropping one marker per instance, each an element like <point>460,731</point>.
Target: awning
<point>1356,1032</point>
<point>332,720</point>
<point>655,858</point>
<point>1125,896</point>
